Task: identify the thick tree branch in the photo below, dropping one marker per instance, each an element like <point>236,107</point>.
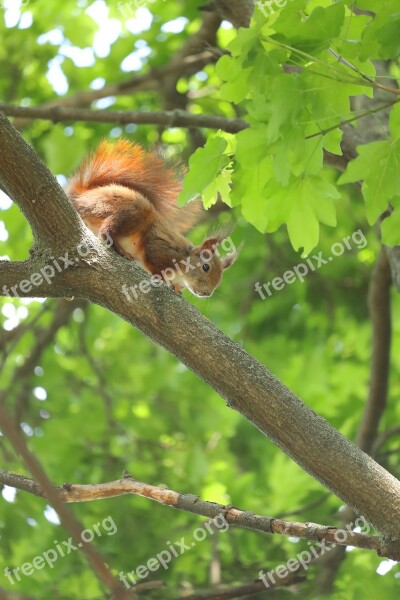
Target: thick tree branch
<point>39,196</point>
<point>379,309</point>
<point>191,503</point>
<point>246,384</point>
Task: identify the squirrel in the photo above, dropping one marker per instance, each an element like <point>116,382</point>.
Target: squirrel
<point>129,195</point>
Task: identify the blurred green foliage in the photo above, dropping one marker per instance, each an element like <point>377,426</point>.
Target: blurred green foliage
<point>103,398</point>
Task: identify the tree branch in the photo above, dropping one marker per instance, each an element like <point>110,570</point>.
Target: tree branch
<point>26,180</point>
<point>245,383</point>
<point>246,590</point>
<point>167,118</point>
<point>205,36</point>
<point>144,82</point>
<point>22,390</point>
<point>379,309</point>
<point>67,518</point>
<point>191,503</point>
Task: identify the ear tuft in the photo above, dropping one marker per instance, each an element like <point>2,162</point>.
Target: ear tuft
<point>217,237</point>
<point>210,243</point>
<point>224,232</point>
<point>230,259</point>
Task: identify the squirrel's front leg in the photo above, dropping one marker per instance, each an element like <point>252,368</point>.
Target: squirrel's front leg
<point>177,287</point>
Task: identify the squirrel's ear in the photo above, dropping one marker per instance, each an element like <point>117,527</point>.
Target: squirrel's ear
<point>217,238</point>
<point>210,244</point>
<point>228,260</point>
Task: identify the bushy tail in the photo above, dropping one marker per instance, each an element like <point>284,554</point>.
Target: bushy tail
<point>127,164</point>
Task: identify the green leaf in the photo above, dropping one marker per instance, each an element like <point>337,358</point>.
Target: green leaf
<point>313,35</point>
<point>220,186</point>
<point>378,167</point>
<point>248,191</point>
<point>394,121</point>
<point>381,37</point>
<point>313,204</point>
<point>230,70</point>
<point>204,165</point>
<point>286,99</point>
<point>303,226</point>
<point>302,205</point>
<point>322,201</point>
<point>332,140</point>
<point>252,144</point>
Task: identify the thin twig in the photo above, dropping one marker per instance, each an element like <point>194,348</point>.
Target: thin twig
<point>191,503</point>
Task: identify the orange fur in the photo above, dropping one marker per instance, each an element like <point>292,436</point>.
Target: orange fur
<point>131,166</point>
<point>128,165</point>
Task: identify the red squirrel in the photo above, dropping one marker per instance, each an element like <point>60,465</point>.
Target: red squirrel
<point>127,194</point>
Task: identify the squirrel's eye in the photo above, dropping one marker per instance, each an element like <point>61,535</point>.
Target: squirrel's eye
<point>206,267</point>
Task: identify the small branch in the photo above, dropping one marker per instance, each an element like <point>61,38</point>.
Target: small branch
<point>10,339</point>
<point>394,259</point>
<point>173,118</point>
<point>167,118</point>
<point>51,494</point>
<point>365,113</point>
<point>247,590</point>
<point>101,388</point>
<point>191,503</point>
<point>301,510</point>
<point>139,83</point>
<point>22,389</point>
<point>365,77</point>
<point>203,38</point>
<point>382,438</point>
